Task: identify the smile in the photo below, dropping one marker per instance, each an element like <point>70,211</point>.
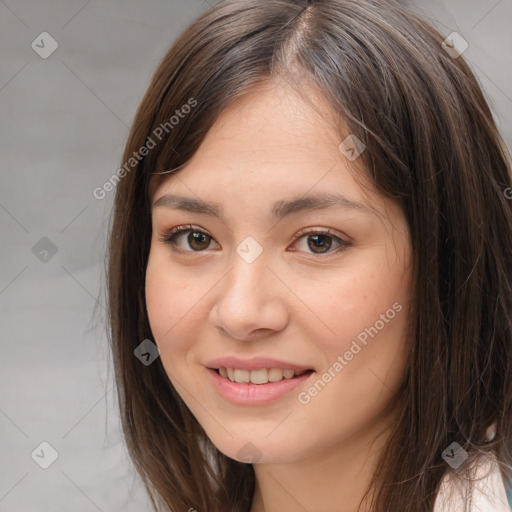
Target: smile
<point>264,391</point>
<point>261,376</point>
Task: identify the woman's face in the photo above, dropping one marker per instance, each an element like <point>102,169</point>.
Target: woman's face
<point>256,278</point>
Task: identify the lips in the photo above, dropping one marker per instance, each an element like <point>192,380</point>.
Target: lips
<point>253,394</point>
<point>256,381</point>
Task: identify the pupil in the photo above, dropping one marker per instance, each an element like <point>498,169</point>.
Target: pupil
<point>318,239</point>
<point>195,237</point>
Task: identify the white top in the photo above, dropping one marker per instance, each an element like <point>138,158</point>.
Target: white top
<point>488,491</point>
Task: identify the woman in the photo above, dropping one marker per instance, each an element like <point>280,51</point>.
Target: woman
<point>312,231</point>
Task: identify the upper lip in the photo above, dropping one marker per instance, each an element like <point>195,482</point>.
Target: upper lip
<point>256,363</point>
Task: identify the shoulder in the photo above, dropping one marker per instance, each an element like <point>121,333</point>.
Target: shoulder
<point>484,492</point>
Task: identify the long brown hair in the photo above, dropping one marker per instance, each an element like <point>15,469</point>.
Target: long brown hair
<point>431,144</point>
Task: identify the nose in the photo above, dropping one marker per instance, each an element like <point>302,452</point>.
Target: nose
<point>250,302</point>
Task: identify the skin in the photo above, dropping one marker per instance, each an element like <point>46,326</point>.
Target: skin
<point>291,303</point>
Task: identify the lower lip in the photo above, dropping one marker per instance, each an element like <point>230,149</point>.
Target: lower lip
<point>243,393</point>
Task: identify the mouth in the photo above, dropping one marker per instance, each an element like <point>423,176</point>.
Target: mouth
<point>257,387</point>
<point>260,376</point>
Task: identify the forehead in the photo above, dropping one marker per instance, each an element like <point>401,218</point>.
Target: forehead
<point>277,119</point>
<point>269,130</point>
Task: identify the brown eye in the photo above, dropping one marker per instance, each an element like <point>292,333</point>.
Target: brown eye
<point>195,241</point>
<point>198,240</point>
<point>320,242</point>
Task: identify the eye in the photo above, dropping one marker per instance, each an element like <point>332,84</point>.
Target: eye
<point>197,240</point>
<point>318,241</point>
<point>321,241</point>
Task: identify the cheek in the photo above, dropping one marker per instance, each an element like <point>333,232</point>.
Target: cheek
<point>357,303</point>
<point>364,363</point>
<point>168,301</point>
<point>368,314</point>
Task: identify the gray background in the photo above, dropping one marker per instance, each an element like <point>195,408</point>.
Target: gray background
<point>64,121</point>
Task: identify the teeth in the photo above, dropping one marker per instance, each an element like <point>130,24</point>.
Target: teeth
<point>242,375</point>
<point>257,376</point>
<point>275,374</point>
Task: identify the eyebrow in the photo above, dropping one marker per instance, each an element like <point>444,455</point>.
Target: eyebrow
<point>280,209</point>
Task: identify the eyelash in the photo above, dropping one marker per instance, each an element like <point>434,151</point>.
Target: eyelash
<point>170,238</point>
